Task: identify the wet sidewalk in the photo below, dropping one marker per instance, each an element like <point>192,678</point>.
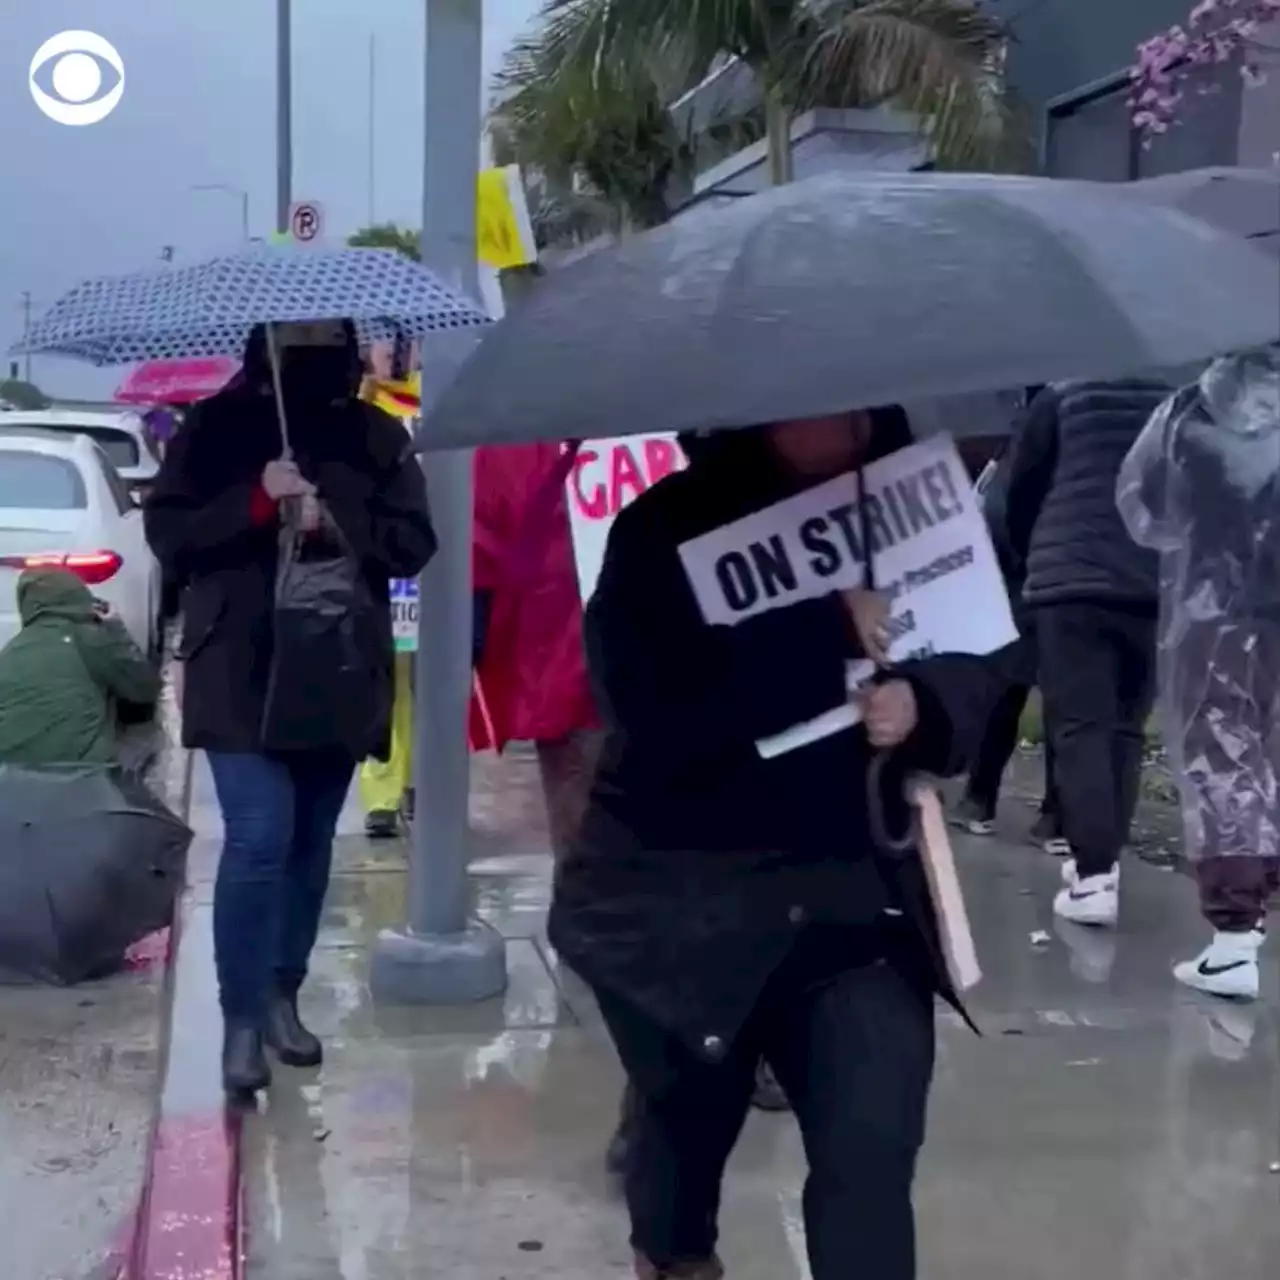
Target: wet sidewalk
<point>1106,1125</point>
<point>80,1069</point>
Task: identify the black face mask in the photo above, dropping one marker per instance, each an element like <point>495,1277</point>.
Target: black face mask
<point>316,375</point>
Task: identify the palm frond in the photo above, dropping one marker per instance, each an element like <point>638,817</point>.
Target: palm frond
<point>684,37</point>
<point>577,113</point>
<point>939,60</point>
<point>581,96</point>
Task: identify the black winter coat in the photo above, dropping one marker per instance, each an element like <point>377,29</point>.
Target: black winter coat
<point>1064,534</point>
<point>200,524</point>
<point>699,860</point>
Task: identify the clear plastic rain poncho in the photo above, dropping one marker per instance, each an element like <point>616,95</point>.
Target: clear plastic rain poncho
<point>1202,486</point>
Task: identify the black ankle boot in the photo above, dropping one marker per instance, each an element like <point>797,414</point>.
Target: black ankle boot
<point>382,824</point>
<point>294,1045</point>
<point>244,1061</point>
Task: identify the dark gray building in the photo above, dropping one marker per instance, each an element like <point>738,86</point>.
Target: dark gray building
<point>1070,63</point>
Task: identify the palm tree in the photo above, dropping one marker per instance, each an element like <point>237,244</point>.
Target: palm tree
<point>606,151</point>
<point>937,59</point>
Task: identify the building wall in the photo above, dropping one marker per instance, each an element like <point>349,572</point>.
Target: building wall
<point>1090,135</point>
<point>1070,61</point>
<point>1062,45</point>
<point>824,140</point>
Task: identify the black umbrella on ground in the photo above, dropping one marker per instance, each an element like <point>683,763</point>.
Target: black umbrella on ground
<point>90,862</point>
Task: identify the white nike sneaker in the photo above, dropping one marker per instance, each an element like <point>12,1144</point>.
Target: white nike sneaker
<point>1227,967</point>
<point>1093,900</point>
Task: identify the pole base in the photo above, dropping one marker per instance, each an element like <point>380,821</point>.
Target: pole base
<point>439,968</point>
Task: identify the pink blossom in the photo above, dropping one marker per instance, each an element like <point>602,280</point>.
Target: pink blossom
<point>1224,32</point>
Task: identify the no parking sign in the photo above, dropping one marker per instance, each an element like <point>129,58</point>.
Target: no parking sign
<point>306,221</point>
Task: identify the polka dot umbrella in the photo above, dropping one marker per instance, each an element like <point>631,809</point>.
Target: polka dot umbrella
<point>209,308</point>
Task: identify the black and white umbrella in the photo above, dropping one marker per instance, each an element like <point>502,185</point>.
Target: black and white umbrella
<point>852,290</point>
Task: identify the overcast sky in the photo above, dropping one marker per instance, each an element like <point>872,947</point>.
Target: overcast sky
<point>199,108</point>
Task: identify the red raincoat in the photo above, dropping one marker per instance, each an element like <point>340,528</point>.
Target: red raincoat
<point>532,679</point>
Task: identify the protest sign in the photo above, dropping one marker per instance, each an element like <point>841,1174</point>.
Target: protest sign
<point>404,614</point>
<point>504,232</point>
<point>606,475</point>
<point>930,552</point>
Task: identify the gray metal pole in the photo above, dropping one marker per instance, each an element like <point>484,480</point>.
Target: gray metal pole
<point>373,129</point>
<point>284,112</point>
<point>443,956</point>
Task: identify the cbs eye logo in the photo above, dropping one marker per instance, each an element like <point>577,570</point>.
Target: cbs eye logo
<point>78,59</point>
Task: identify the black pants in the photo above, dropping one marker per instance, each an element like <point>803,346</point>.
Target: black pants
<point>1097,674</point>
<point>997,747</point>
<point>854,1050</point>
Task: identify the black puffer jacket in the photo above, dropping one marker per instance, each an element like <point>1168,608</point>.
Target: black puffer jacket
<point>1064,534</point>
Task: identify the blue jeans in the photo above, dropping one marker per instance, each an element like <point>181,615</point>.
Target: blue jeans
<point>280,815</point>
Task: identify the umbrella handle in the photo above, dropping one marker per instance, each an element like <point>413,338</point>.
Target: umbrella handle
<point>277,388</point>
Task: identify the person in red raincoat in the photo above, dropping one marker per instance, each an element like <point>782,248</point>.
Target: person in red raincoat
<point>531,681</point>
<point>531,675</point>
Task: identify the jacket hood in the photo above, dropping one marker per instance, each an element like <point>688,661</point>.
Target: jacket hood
<point>1242,392</point>
<point>1232,416</point>
<point>53,593</point>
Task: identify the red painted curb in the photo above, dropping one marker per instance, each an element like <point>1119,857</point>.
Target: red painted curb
<point>188,1224</point>
<point>189,1221</point>
<point>189,1227</point>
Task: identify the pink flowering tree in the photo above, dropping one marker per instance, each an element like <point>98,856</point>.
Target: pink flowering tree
<point>1217,33</point>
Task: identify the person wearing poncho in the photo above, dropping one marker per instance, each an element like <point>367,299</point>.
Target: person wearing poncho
<point>1202,487</point>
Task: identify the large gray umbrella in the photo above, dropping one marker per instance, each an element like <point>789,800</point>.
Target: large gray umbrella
<point>1243,202</point>
<point>843,291</point>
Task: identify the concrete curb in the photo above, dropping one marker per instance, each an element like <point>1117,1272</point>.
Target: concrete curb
<point>189,1221</point>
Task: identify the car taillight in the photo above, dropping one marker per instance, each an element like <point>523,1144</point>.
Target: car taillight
<point>91,567</point>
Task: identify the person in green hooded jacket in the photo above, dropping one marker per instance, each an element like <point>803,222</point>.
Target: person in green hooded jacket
<point>66,674</point>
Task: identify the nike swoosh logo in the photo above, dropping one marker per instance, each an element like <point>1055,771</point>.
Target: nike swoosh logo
<point>1077,896</point>
<point>1207,970</point>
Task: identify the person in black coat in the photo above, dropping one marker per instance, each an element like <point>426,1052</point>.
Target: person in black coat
<point>213,520</point>
<point>725,906</point>
<point>1093,597</point>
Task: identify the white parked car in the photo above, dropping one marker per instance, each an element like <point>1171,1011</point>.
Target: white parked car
<point>63,504</point>
<point>120,433</point>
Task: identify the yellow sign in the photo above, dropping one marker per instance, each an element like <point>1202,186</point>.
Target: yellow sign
<point>504,234</point>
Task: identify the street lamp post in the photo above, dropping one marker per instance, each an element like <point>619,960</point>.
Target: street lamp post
<point>240,193</point>
<point>442,956</point>
<point>284,113</point>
